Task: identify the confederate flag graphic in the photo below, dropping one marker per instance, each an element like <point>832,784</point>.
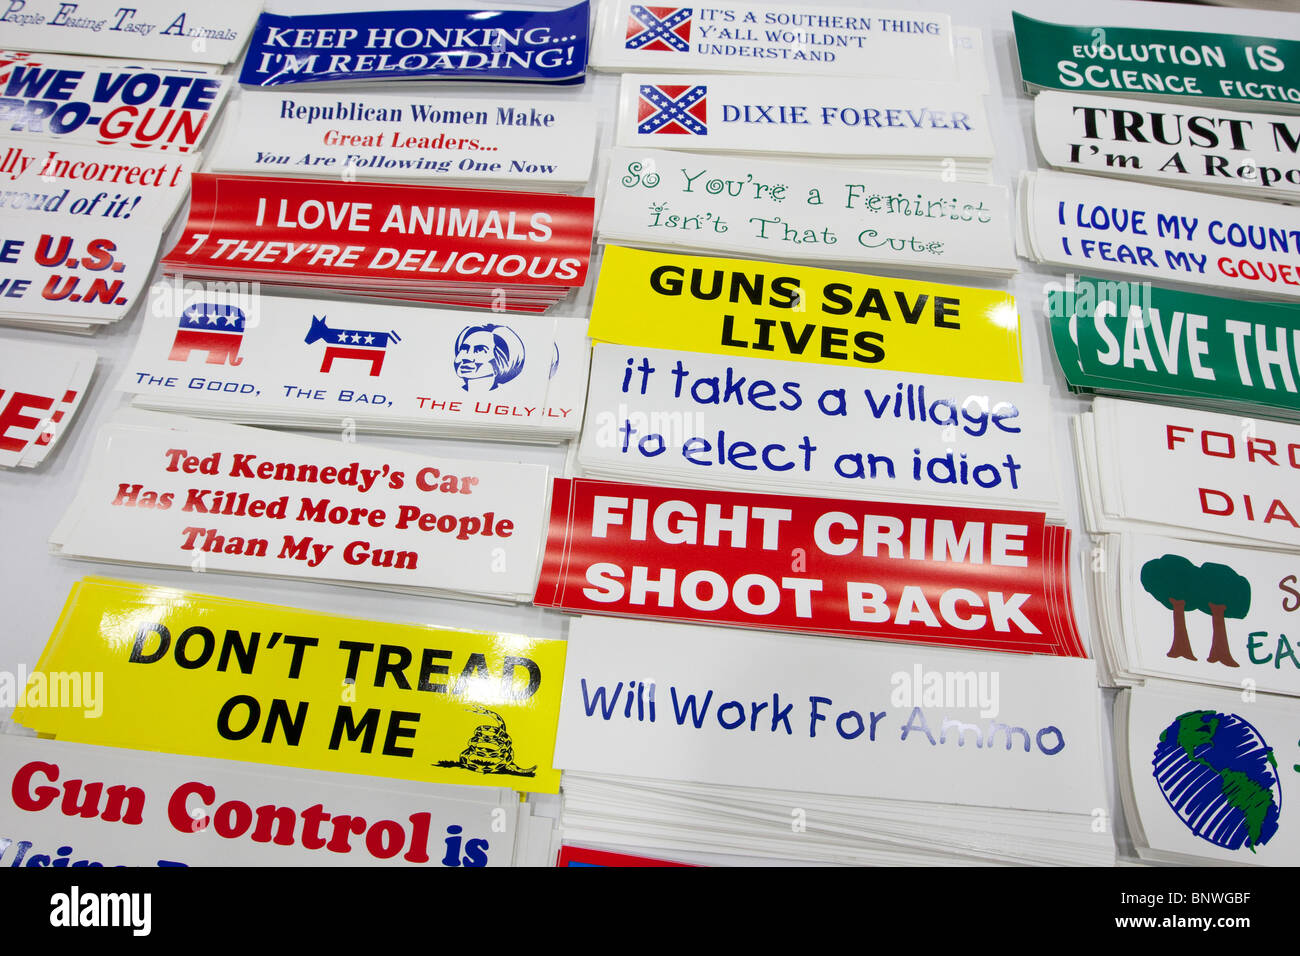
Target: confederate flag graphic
<point>665,29</point>
<point>672,109</point>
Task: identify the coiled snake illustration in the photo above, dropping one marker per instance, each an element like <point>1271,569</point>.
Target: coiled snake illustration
<point>490,749</point>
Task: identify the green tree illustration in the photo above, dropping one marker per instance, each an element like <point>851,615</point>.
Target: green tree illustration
<point>1224,594</point>
<point>1174,582</point>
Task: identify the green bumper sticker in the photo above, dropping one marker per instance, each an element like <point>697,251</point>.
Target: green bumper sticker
<point>1130,337</point>
<point>1172,63</point>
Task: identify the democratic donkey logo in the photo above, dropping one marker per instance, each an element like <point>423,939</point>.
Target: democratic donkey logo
<point>217,330</point>
<point>356,344</point>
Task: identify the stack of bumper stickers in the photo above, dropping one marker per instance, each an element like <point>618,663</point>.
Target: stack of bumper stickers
<point>312,363</point>
<point>89,183</point>
<point>87,100</point>
<point>926,574</point>
<point>794,313</point>
<point>205,677</point>
<point>774,38</point>
<point>1243,154</point>
<point>1202,772</point>
<point>189,811</point>
<point>415,696</point>
<point>1181,66</point>
<point>503,250</point>
<point>41,388</point>
<point>1153,233</point>
<point>800,213</point>
<point>1209,613</point>
<point>83,220</point>
<point>794,38</point>
<point>1216,477</point>
<point>788,379</point>
<point>512,45</point>
<point>498,142</point>
<point>1193,506</point>
<point>168,491</point>
<point>686,740</point>
<point>1134,339</point>
<point>888,125</point>
<point>701,420</point>
<point>147,30</point>
<point>1212,477</point>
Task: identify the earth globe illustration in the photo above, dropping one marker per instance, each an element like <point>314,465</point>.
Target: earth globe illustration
<point>1220,777</point>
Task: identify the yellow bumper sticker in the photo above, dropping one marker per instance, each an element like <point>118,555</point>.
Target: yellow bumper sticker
<point>168,670</point>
